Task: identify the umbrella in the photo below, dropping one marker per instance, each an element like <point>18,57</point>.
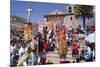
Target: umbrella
<point>90,37</point>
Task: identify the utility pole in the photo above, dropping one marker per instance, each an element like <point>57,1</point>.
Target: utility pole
<point>29,10</point>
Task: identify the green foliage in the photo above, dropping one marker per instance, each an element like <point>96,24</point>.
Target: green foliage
<point>17,19</point>
<point>84,11</point>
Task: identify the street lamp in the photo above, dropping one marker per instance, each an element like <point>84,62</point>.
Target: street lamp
<point>29,10</point>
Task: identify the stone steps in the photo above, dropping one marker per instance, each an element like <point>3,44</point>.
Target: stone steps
<point>54,57</point>
<point>57,59</point>
<point>69,50</point>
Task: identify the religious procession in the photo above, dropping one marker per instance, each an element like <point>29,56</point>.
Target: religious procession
<point>56,40</point>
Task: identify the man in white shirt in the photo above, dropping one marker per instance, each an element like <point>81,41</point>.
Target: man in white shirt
<point>12,48</point>
<point>21,53</point>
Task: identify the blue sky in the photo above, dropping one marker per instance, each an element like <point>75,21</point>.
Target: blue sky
<point>39,9</point>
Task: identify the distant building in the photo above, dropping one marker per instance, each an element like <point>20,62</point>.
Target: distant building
<point>91,26</point>
<point>56,17</point>
<point>66,18</point>
<point>70,19</point>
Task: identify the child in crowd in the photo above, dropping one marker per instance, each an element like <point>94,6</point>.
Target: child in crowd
<point>75,50</point>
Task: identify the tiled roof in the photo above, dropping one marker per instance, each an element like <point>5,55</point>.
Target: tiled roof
<point>91,24</point>
<point>56,12</point>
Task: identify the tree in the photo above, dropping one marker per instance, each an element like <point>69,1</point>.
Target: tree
<point>17,19</point>
<point>84,11</point>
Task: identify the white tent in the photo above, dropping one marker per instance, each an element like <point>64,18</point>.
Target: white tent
<point>90,37</point>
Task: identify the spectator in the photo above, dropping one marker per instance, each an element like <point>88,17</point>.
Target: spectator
<point>43,57</point>
<point>82,55</point>
<point>34,49</point>
<point>75,50</point>
<point>88,54</point>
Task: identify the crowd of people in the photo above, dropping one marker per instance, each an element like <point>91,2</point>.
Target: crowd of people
<point>42,43</point>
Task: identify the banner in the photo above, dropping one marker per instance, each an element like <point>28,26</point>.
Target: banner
<point>28,31</point>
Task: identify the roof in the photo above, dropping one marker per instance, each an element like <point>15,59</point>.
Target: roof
<point>91,24</point>
<point>56,12</point>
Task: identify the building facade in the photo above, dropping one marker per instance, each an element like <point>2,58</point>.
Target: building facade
<point>66,18</point>
<point>70,19</point>
<point>56,17</point>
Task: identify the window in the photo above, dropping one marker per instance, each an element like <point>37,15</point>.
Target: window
<point>70,10</point>
<point>74,8</point>
<point>56,13</point>
<point>70,18</point>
